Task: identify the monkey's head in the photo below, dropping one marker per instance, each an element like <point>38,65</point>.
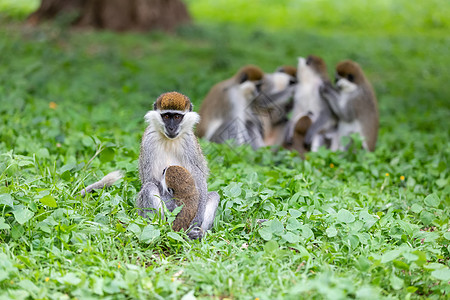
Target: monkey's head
<point>178,181</point>
<point>310,67</point>
<point>249,79</point>
<point>172,115</point>
<point>249,73</point>
<point>290,70</point>
<point>349,75</point>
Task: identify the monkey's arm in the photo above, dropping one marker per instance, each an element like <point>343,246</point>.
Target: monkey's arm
<point>344,111</point>
<point>317,126</point>
<point>150,198</point>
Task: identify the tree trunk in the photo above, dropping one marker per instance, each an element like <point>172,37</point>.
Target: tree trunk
<point>117,15</point>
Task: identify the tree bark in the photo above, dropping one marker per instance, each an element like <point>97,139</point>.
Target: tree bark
<point>117,15</point>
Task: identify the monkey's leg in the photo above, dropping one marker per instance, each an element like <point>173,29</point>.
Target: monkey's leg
<point>149,200</point>
<point>317,141</point>
<point>208,216</point>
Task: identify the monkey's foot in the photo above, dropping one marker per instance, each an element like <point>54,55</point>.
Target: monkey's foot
<point>196,233</point>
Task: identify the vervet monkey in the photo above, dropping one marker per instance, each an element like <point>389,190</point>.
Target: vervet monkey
<point>226,112</point>
<point>311,74</point>
<point>169,141</point>
<point>355,104</point>
<point>274,103</point>
<point>178,182</point>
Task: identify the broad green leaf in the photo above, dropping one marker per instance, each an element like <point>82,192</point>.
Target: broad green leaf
<point>401,265</point>
<point>291,238</point>
<point>48,200</point>
<point>149,233</point>
<point>6,199</point>
<point>331,232</point>
<point>189,296</point>
<point>107,155</point>
<point>295,213</point>
<point>426,217</point>
<point>396,282</point>
<point>265,233</point>
<point>307,232</point>
<point>422,258</point>
<point>271,246</point>
<point>70,279</point>
<point>276,227</point>
<point>175,236</point>
<point>134,228</point>
<point>293,224</point>
<point>390,255</point>
<point>22,214</point>
<point>447,235</point>
<point>345,216</point>
<point>432,200</point>
<point>441,274</point>
<point>3,225</point>
<point>416,208</point>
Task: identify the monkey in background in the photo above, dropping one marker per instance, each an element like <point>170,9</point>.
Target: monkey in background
<point>308,103</point>
<point>275,102</point>
<point>355,104</point>
<point>169,140</point>
<point>226,112</point>
<point>179,183</point>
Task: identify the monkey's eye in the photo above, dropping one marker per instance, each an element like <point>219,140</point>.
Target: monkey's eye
<point>177,117</point>
<point>350,77</point>
<point>167,117</point>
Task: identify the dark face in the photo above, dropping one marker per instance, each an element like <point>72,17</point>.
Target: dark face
<point>172,124</point>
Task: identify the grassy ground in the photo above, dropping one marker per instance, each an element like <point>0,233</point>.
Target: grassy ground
<point>342,225</point>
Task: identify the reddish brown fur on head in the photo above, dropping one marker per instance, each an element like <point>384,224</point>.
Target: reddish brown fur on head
<point>318,64</point>
<point>173,101</point>
<point>351,71</point>
<point>249,72</point>
<point>290,70</point>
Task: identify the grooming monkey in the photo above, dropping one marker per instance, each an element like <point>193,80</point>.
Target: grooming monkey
<point>275,102</point>
<point>308,103</point>
<point>179,183</point>
<point>226,112</point>
<point>169,140</point>
<point>355,104</point>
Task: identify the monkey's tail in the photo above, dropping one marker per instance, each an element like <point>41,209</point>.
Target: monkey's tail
<point>108,180</point>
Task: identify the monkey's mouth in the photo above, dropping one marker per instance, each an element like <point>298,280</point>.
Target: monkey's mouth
<point>171,135</point>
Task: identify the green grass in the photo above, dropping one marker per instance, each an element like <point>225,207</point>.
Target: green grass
<point>342,225</point>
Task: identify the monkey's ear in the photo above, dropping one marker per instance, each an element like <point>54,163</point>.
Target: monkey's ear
<point>190,106</point>
<point>155,106</point>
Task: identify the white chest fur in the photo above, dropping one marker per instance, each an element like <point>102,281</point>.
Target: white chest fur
<point>167,153</point>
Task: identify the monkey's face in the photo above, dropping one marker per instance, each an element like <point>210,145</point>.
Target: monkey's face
<point>311,69</point>
<point>348,76</point>
<point>172,121</point>
<point>249,90</point>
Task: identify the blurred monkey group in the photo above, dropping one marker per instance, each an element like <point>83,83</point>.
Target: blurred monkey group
<point>297,108</point>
